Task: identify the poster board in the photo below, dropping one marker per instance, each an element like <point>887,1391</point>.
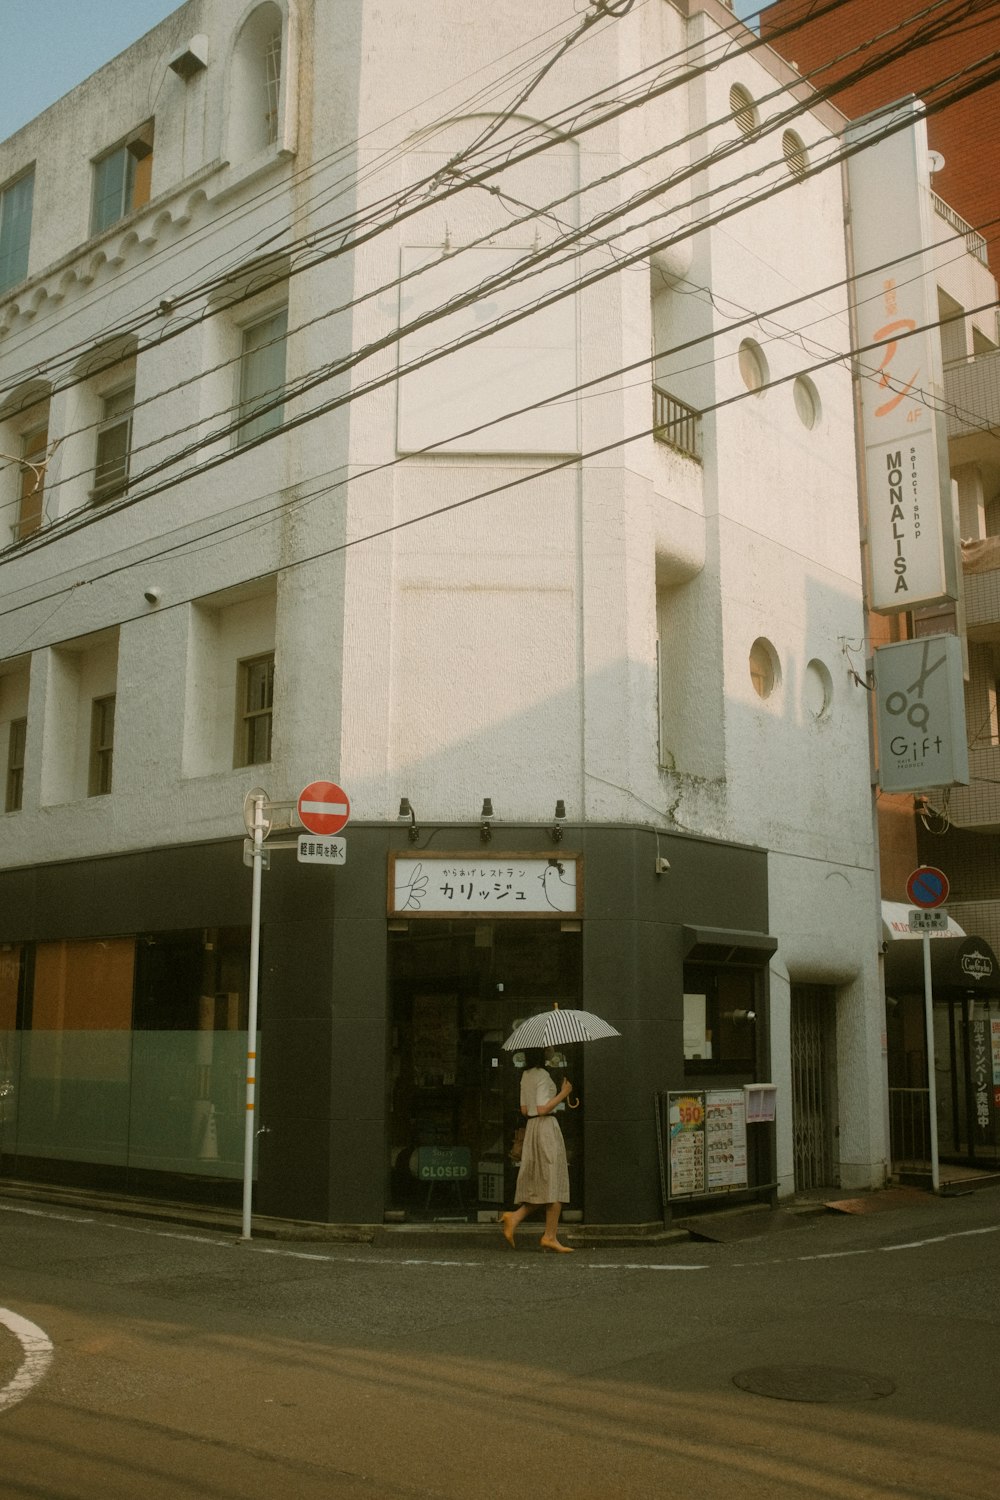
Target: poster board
<point>706,1132</point>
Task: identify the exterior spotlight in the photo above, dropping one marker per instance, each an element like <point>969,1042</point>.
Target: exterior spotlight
<point>406,814</point>
<point>486,826</point>
<point>556,831</point>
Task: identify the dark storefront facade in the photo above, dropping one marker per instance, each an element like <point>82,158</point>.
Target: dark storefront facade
<point>387,987</point>
<point>965,982</point>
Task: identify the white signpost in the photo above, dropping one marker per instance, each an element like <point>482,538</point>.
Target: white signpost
<point>324,808</point>
<point>927,888</point>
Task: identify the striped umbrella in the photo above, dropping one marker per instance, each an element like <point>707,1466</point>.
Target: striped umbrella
<point>558,1028</point>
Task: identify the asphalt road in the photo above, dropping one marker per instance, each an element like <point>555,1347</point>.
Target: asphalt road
<point>140,1360</point>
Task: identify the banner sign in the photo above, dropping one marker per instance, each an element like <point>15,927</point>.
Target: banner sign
<point>912,536</point>
<point>920,713</point>
<point>469,885</point>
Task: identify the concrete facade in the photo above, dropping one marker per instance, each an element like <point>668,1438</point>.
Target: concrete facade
<point>558,605</point>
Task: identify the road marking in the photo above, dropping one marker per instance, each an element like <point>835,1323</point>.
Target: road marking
<point>524,1263</point>
<point>37,1357</point>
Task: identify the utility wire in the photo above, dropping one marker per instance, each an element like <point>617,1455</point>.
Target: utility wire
<point>289,391</point>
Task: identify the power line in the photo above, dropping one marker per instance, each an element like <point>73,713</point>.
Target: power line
<point>194,544</point>
<point>813,10</point>
<point>505,279</point>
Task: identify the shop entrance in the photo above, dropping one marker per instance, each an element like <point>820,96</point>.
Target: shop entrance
<point>456,989</point>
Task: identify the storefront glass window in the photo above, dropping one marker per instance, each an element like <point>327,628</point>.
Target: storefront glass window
<point>457,989</point>
<point>128,1054</point>
<point>720,1019</point>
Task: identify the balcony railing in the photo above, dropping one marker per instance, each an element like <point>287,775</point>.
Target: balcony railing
<point>975,243</point>
<point>675,424</point>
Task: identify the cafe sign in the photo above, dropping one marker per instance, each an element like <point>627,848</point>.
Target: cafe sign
<point>468,885</point>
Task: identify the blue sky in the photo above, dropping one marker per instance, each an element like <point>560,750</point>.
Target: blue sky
<point>52,45</point>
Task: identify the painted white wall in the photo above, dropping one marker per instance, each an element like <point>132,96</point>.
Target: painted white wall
<point>501,646</point>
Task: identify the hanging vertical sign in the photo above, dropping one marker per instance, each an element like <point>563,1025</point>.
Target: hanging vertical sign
<point>920,713</point>
<point>911,530</point>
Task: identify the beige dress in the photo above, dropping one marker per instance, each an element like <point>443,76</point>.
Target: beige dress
<point>543,1176</point>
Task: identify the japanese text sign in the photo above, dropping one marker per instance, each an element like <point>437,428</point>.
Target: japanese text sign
<point>456,885</point>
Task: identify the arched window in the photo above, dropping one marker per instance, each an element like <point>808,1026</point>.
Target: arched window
<point>256,95</point>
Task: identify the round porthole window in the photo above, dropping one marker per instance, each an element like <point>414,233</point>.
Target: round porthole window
<point>753,365</point>
<point>817,689</point>
<point>764,671</point>
<point>806,401</point>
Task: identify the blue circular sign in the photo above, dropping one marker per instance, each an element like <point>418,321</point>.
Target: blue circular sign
<point>928,887</point>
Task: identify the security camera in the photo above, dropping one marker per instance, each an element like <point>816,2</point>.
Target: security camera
<point>662,866</point>
<point>152,596</point>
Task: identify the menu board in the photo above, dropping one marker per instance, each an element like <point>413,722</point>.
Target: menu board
<point>707,1134</point>
<point>726,1139</point>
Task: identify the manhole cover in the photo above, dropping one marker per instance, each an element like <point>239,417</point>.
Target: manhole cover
<point>813,1383</point>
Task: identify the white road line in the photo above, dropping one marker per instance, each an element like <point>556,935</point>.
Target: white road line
<point>37,1357</point>
<point>524,1263</point>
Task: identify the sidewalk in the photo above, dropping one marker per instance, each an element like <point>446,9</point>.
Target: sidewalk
<point>722,1224</point>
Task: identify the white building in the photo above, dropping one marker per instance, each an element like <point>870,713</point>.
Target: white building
<point>257,530</point>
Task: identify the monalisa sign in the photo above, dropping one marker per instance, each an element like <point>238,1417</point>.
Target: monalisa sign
<point>911,531</point>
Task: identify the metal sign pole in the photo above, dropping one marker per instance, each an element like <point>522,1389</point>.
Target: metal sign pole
<point>931,1084</point>
<point>249,1132</point>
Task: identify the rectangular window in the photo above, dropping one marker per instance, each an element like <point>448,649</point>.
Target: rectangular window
<point>122,179</point>
<point>720,1016</point>
<point>255,697</point>
<point>15,764</point>
<point>272,85</point>
<point>114,443</point>
<point>15,230</point>
<point>34,447</point>
<point>102,745</point>
<point>262,376</point>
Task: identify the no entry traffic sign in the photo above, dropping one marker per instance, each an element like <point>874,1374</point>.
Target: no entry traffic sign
<point>324,807</point>
<point>928,887</point>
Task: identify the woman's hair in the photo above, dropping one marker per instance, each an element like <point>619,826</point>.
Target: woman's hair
<point>534,1057</point>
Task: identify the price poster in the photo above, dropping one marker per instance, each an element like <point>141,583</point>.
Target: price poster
<point>686,1125</point>
<point>725,1139</point>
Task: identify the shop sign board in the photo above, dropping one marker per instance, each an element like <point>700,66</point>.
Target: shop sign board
<point>708,1142</point>
<point>920,714</point>
<point>471,885</point>
<point>443,1163</point>
<point>912,535</point>
<point>324,807</point>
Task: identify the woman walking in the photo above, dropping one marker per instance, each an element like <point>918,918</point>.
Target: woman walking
<point>543,1176</point>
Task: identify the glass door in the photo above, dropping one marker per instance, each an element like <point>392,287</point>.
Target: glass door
<point>457,989</point>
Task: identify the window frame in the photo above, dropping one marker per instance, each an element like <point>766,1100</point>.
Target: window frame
<point>248,717</point>
<point>116,485</point>
<point>102,745</point>
<point>703,977</point>
<point>133,160</point>
<point>15,243</point>
<point>252,393</point>
<point>17,737</point>
<point>31,486</point>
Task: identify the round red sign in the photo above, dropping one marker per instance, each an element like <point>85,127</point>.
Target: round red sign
<point>928,887</point>
<point>324,807</point>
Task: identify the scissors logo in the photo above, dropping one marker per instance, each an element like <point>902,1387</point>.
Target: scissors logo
<point>917,712</point>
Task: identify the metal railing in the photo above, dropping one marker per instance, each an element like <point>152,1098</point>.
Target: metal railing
<point>910,1128</point>
<point>675,424</point>
<point>975,243</point>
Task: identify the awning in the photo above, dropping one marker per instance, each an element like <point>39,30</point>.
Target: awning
<point>965,966</point>
<point>895,919</point>
<point>728,945</point>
